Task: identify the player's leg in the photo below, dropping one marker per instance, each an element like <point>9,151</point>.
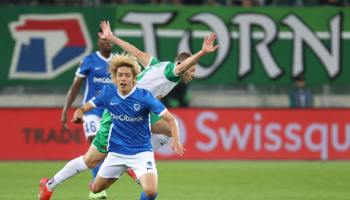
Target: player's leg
<point>72,168</point>
<point>111,170</point>
<point>145,168</point>
<point>100,142</point>
<point>91,126</point>
<point>161,136</point>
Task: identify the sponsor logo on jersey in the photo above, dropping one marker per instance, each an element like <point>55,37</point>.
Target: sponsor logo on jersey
<point>47,45</point>
<point>126,118</point>
<point>114,103</point>
<point>97,68</point>
<point>137,107</point>
<point>103,80</point>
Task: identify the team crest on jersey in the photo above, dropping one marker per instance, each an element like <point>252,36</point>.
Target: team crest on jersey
<point>47,45</point>
<point>159,97</point>
<point>137,107</point>
<point>149,163</point>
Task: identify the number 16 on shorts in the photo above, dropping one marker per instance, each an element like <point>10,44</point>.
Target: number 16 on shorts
<point>91,125</point>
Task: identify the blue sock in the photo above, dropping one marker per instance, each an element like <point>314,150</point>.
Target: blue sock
<point>95,171</point>
<point>144,197</point>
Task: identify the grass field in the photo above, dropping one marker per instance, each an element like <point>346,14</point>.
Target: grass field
<point>194,180</point>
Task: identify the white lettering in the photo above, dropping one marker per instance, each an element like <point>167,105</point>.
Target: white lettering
<point>293,136</point>
<point>335,138</point>
<point>235,133</point>
<point>245,22</point>
<point>147,21</point>
<point>273,136</point>
<point>303,34</point>
<point>102,80</point>
<point>218,26</point>
<point>257,133</point>
<point>207,115</point>
<point>323,145</point>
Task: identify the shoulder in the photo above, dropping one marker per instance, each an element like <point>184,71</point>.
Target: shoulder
<point>89,58</point>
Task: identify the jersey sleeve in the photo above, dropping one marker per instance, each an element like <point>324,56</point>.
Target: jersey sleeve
<point>83,68</point>
<point>153,61</point>
<point>155,105</point>
<point>99,100</point>
<point>170,74</point>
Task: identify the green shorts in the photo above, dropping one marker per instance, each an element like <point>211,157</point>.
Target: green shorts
<point>101,139</point>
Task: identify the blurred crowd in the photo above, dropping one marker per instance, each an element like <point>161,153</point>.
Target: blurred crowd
<point>245,3</point>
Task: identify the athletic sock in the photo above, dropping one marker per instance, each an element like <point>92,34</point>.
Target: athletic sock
<point>144,197</point>
<point>159,140</point>
<point>71,169</point>
<point>95,171</point>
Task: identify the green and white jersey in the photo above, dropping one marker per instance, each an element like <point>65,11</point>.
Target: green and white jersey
<point>158,77</point>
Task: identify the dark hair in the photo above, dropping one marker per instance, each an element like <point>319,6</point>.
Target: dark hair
<point>182,56</point>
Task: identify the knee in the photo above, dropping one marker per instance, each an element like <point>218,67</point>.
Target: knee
<point>90,163</point>
<point>168,132</point>
<point>151,192</point>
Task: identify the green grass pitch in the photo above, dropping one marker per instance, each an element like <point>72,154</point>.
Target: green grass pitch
<point>194,180</point>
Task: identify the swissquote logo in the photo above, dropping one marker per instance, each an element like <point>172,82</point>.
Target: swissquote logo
<point>47,45</point>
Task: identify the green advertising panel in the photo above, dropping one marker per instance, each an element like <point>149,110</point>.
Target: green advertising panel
<point>43,46</point>
<point>257,45</point>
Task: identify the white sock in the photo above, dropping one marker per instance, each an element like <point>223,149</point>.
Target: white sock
<point>71,169</point>
<point>159,140</point>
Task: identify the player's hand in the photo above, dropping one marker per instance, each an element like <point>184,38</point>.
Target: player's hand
<point>64,120</point>
<point>178,147</point>
<point>78,117</point>
<point>106,28</point>
<point>78,120</point>
<point>208,44</point>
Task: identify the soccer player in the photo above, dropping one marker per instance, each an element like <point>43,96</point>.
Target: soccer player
<point>93,72</point>
<point>129,143</point>
<point>97,152</point>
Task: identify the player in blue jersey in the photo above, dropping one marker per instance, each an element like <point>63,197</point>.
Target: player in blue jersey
<point>92,72</point>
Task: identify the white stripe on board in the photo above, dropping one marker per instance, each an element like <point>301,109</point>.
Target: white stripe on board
<point>201,34</point>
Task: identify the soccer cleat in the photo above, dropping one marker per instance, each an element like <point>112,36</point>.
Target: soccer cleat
<point>132,174</point>
<point>101,195</point>
<point>44,194</point>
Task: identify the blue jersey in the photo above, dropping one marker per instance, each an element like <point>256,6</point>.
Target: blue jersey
<point>93,68</point>
<point>131,128</point>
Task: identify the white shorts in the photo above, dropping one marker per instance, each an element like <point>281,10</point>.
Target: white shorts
<point>91,125</point>
<point>115,164</point>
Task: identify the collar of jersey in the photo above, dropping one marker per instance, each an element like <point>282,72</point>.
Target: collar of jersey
<point>130,93</point>
<point>103,58</point>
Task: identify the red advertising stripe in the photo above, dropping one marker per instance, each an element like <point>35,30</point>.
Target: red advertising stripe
<point>37,134</point>
<point>316,134</point>
<point>214,134</point>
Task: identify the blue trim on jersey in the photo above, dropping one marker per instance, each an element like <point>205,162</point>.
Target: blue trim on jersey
<point>131,131</point>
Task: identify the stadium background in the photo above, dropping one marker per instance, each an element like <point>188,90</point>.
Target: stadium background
<point>239,107</point>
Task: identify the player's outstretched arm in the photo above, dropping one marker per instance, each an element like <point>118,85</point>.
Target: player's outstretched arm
<point>79,113</point>
<point>142,57</point>
<point>208,47</point>
<point>72,94</point>
<point>175,144</point>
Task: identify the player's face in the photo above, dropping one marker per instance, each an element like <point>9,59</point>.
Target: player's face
<point>105,45</point>
<point>125,79</point>
<point>189,74</point>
